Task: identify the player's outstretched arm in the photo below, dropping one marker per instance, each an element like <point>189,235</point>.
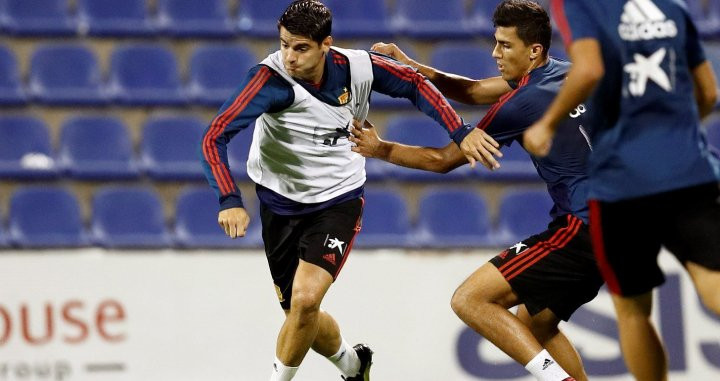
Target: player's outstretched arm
<point>456,87</point>
<point>705,88</point>
<point>234,221</point>
<point>440,160</point>
<point>585,73</point>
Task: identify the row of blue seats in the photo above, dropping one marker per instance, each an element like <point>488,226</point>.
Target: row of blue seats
<point>257,18</point>
<point>93,147</point>
<point>148,74</point>
<point>212,18</point>
<point>132,217</point>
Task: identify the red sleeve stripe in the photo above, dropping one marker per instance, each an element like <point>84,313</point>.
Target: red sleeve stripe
<point>558,12</point>
<point>433,97</point>
<point>488,118</point>
<point>218,125</point>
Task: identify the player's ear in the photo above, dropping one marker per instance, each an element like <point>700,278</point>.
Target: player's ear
<point>326,43</point>
<point>536,51</point>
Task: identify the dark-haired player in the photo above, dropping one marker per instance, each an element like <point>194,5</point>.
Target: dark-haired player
<point>549,274</point>
<point>653,180</point>
<point>309,182</point>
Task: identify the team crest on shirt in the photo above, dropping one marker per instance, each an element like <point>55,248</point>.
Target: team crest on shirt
<point>344,98</point>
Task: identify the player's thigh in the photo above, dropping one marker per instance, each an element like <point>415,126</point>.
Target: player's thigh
<point>328,235</point>
<point>554,269</point>
<point>626,239</point>
<point>281,236</point>
<point>485,285</point>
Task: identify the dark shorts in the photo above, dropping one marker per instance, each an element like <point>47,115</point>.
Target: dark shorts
<point>627,235</point>
<point>323,238</point>
<point>555,269</point>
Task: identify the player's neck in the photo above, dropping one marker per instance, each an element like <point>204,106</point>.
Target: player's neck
<point>537,63</point>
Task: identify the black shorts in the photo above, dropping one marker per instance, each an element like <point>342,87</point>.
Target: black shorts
<point>323,238</point>
<point>555,269</point>
<point>627,235</point>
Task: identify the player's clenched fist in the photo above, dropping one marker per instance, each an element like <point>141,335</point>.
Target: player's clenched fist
<point>234,221</point>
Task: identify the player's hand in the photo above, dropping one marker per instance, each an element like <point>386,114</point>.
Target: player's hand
<point>391,50</point>
<point>367,142</point>
<point>478,146</point>
<point>537,139</point>
<point>234,221</point>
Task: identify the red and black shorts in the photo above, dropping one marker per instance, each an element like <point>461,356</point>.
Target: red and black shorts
<point>627,235</point>
<point>554,269</point>
<point>323,238</point>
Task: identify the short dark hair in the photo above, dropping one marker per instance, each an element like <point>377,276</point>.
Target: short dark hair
<point>309,18</point>
<point>530,19</point>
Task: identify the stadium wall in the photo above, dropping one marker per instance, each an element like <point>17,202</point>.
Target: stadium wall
<point>187,316</point>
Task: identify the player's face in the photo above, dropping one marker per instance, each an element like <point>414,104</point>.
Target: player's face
<point>512,55</point>
<point>303,58</point>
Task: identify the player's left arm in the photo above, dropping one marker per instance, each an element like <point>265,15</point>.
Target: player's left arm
<point>705,88</point>
<point>399,80</point>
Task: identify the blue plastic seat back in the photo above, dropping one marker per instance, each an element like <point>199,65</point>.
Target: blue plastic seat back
<point>195,17</point>
<point>472,61</point>
<point>11,91</point>
<point>216,71</point>
<point>95,138</point>
<point>115,18</point>
<point>452,218</point>
<point>356,19</point>
<point>432,19</point>
<point>170,147</point>
<point>196,216</point>
<point>385,221</point>
<point>45,216</point>
<point>145,66</point>
<point>66,65</point>
<point>523,213</point>
<point>259,17</point>
<point>38,17</point>
<point>128,217</point>
<point>22,135</point>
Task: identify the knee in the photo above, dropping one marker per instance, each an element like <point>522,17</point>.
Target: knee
<point>305,303</point>
<point>462,301</point>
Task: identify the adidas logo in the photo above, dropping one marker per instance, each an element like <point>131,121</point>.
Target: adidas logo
<point>547,363</point>
<point>643,20</point>
<point>330,258</point>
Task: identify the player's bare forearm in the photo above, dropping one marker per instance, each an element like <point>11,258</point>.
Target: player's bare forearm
<point>441,160</point>
<point>469,91</point>
<point>705,88</point>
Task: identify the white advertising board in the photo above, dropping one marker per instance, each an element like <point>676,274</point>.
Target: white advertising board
<point>189,316</point>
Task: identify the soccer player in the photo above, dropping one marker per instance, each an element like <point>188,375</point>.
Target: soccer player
<point>653,181</point>
<point>553,272</point>
<point>303,99</point>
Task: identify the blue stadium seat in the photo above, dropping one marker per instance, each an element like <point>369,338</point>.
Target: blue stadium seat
<point>114,18</point>
<point>97,148</point>
<point>64,74</point>
<point>420,130</point>
<point>706,15</point>
<point>472,61</point>
<point>515,165</point>
<point>237,151</point>
<point>216,71</point>
<point>196,216</point>
<point>432,19</point>
<point>522,214</point>
<point>145,74</point>
<point>450,217</point>
<point>712,52</point>
<point>25,149</point>
<point>385,221</point>
<point>195,18</point>
<point>358,19</point>
<point>481,17</point>
<point>46,217</point>
<point>170,148</point>
<point>258,18</point>
<point>38,17</point>
<point>128,217</point>
<point>11,91</point>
